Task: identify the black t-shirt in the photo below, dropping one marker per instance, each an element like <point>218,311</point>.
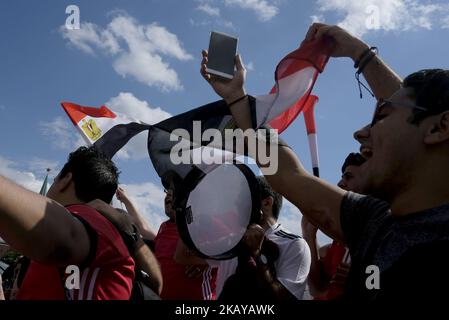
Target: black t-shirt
<point>411,252</point>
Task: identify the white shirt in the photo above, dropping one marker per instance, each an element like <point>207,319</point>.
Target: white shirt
<point>292,266</point>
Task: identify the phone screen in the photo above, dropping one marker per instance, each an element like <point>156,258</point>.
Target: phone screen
<point>222,50</point>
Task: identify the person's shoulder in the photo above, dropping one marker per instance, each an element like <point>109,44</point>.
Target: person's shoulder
<point>352,199</point>
<point>357,210</point>
<point>81,209</point>
<point>91,216</point>
<point>99,228</point>
<point>286,234</point>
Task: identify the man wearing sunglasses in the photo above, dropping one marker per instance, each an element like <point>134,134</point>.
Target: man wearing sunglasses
<point>397,236</point>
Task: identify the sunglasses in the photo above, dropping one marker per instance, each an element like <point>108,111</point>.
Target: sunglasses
<point>384,103</point>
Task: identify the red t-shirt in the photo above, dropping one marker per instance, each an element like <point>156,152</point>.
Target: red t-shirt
<point>334,257</point>
<point>177,286</point>
<point>109,273</point>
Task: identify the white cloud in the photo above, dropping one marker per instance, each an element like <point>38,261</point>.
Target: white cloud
<point>227,24</point>
<point>220,22</point>
<point>317,18</point>
<point>91,36</point>
<point>41,165</point>
<point>263,9</point>
<point>139,51</point>
<point>208,9</point>
<point>149,200</point>
<point>25,178</point>
<point>61,133</point>
<point>250,66</point>
<point>361,16</point>
<point>128,104</point>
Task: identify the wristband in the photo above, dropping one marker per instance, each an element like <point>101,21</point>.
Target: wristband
<point>237,100</point>
<point>364,54</point>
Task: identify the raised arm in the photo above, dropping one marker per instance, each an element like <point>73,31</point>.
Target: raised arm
<point>140,221</point>
<point>147,262</point>
<point>40,228</point>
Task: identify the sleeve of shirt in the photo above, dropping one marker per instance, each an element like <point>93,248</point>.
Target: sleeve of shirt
<point>357,212</point>
<point>293,267</point>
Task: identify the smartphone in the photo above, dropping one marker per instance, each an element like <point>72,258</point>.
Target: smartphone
<point>222,51</point>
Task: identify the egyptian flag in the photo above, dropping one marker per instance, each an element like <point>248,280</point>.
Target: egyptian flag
<point>295,77</point>
<point>103,127</point>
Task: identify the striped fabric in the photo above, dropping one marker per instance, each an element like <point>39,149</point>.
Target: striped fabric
<point>206,285</point>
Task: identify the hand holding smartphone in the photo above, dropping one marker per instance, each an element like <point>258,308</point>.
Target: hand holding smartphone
<point>221,55</point>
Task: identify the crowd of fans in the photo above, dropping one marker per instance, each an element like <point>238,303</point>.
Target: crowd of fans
<point>390,210</point>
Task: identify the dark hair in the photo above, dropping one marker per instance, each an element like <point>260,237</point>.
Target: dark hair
<point>267,191</point>
<point>431,91</point>
<point>95,175</point>
<point>171,177</point>
<point>353,159</point>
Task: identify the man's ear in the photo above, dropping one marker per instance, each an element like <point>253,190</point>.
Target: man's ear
<point>64,182</point>
<point>268,201</point>
<point>438,130</point>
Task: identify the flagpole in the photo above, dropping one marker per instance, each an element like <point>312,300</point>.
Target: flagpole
<point>44,187</point>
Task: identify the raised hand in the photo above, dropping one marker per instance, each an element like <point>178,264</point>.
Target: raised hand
<point>345,44</point>
<point>229,90</point>
<point>121,194</point>
<point>253,239</point>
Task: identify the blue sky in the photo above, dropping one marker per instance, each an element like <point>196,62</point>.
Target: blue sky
<point>141,57</point>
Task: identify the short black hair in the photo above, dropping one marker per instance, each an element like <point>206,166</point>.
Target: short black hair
<point>267,191</point>
<point>430,91</point>
<point>353,159</point>
<point>94,174</point>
